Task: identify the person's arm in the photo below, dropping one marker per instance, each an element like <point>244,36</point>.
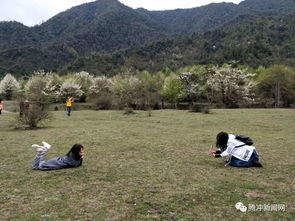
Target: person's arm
<point>214,153</point>
<point>217,155</point>
<point>226,152</point>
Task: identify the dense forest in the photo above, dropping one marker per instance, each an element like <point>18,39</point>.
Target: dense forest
<point>105,36</point>
<point>250,40</point>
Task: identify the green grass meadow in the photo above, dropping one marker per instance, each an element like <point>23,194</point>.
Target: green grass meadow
<point>140,167</point>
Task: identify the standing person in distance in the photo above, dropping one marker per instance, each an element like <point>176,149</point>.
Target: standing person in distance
<point>237,152</point>
<point>1,106</point>
<point>69,104</point>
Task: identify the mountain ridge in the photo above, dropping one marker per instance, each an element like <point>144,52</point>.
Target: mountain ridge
<point>108,26</point>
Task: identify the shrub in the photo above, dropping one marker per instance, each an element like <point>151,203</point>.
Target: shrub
<point>100,93</point>
<point>200,108</point>
<point>34,111</point>
<point>128,111</point>
<point>35,116</point>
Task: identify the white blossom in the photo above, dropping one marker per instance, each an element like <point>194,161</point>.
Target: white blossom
<point>231,86</point>
<point>100,85</point>
<point>8,86</point>
<point>70,88</point>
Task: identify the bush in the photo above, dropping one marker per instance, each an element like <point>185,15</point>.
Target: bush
<point>201,108</point>
<point>32,118</point>
<point>206,110</point>
<point>102,102</point>
<point>34,110</point>
<point>128,111</point>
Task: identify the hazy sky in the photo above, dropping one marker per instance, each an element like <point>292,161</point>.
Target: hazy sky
<point>32,12</point>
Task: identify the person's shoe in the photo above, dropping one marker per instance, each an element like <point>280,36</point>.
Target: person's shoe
<point>39,148</point>
<point>47,146</point>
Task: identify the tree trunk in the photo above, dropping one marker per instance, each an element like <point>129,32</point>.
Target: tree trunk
<point>277,94</point>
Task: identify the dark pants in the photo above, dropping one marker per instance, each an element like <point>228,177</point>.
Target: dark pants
<point>254,159</point>
<point>69,109</point>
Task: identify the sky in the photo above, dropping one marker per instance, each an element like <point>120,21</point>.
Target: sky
<point>34,12</point>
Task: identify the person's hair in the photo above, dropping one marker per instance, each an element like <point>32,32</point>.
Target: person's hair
<point>75,151</point>
<point>221,140</point>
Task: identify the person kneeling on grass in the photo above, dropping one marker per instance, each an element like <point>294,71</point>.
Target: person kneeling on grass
<point>238,153</point>
<point>74,158</point>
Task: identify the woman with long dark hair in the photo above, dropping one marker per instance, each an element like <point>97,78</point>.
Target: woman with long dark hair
<point>73,158</point>
<point>237,152</point>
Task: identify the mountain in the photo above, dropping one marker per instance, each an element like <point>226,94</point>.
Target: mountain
<point>94,24</point>
<point>187,21</point>
<point>270,7</point>
<point>106,26</point>
<point>249,39</point>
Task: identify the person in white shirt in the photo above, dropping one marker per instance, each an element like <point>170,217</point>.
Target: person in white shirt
<point>238,153</point>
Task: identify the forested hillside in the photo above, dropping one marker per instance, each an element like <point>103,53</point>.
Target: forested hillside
<point>251,40</point>
<point>106,29</point>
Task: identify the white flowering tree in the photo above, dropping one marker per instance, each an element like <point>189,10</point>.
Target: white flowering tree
<point>70,88</point>
<point>84,80</point>
<point>231,87</point>
<point>100,92</point>
<point>194,84</point>
<point>9,87</point>
<point>126,90</point>
<point>53,86</point>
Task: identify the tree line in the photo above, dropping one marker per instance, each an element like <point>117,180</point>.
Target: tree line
<point>215,86</point>
<point>224,86</point>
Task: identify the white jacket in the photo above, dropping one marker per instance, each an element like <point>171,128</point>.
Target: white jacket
<point>243,153</point>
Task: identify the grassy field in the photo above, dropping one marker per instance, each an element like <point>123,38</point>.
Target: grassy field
<point>149,168</point>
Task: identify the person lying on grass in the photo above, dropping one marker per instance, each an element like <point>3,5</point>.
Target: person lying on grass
<point>238,153</point>
<point>74,158</point>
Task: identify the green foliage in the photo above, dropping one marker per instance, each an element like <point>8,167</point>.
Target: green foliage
<point>151,86</point>
<point>173,89</point>
<point>36,115</point>
<point>34,110</point>
<point>248,40</point>
<point>91,37</point>
<point>276,85</point>
<point>194,80</point>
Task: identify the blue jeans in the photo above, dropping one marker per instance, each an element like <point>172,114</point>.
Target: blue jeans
<point>38,160</point>
<point>69,109</point>
<point>235,162</point>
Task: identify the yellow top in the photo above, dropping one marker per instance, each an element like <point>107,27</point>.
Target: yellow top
<point>69,102</point>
